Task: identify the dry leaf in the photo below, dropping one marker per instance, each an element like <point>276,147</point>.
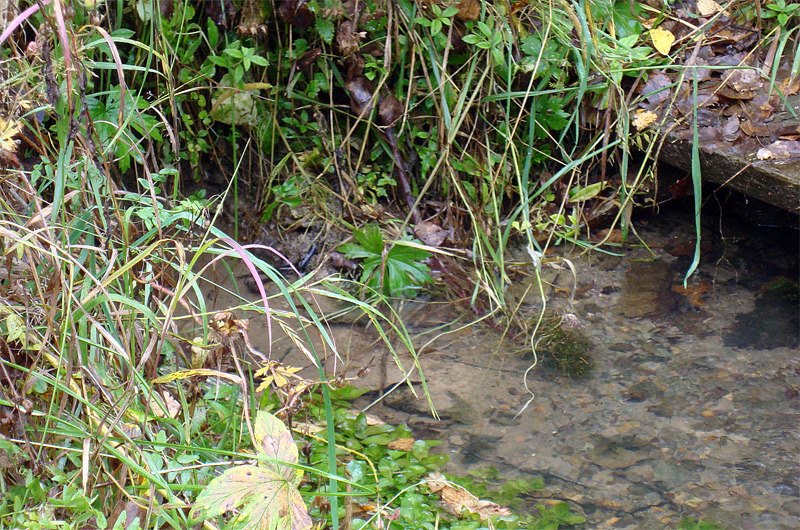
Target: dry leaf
<point>284,377</point>
<point>730,128</point>
<point>780,150</point>
<point>707,8</point>
<point>8,130</point>
<point>168,405</point>
<point>389,110</point>
<point>694,502</point>
<point>662,40</point>
<point>643,118</point>
<point>468,10</point>
<point>456,500</point>
<point>360,95</point>
<point>295,12</point>
<point>198,372</point>
<point>401,444</point>
<point>657,90</point>
<point>430,233</point>
<point>348,39</point>
<point>307,428</point>
<point>227,326</point>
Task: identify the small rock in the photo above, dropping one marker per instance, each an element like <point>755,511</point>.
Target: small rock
<point>628,435</point>
<point>615,457</point>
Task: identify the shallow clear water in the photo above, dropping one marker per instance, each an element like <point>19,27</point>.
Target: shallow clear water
<point>692,408</point>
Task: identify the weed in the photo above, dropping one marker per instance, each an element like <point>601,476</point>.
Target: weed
<point>564,346</point>
<point>557,516</point>
<point>394,269</point>
<point>781,10</point>
<point>690,523</point>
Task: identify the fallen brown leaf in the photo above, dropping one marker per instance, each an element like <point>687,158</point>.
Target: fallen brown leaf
<point>457,499</point>
<point>401,444</point>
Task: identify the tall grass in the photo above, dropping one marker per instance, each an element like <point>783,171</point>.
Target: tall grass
<point>123,387</point>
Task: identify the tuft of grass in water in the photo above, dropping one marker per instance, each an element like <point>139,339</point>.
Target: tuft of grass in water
<point>563,346</point>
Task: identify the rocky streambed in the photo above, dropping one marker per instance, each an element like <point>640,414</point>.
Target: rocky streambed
<point>692,407</point>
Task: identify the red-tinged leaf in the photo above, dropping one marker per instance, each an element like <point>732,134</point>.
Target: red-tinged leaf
<point>275,441</point>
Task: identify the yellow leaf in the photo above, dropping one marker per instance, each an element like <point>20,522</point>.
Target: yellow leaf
<point>402,444</point>
<point>708,7</point>
<point>8,130</point>
<point>166,406</point>
<point>183,374</point>
<point>643,118</point>
<point>264,384</point>
<point>662,40</point>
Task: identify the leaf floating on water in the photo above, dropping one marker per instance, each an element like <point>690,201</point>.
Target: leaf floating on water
<point>662,40</point>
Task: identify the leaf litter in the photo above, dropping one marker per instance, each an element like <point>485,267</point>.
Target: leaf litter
<point>747,99</point>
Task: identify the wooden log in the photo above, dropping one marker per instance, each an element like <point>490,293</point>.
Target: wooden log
<point>736,164</point>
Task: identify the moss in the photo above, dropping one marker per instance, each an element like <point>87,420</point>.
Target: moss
<point>563,346</point>
<point>784,288</point>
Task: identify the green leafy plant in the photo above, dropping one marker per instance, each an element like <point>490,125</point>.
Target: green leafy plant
<point>690,523</point>
<point>781,10</point>
<point>486,38</point>
<point>266,493</point>
<point>556,516</point>
<point>438,18</point>
<point>237,59</point>
<point>394,269</point>
<point>488,483</point>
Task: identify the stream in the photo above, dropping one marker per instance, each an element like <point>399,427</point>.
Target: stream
<point>693,405</point>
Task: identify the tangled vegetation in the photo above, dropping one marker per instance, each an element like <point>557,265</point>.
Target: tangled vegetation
<point>435,133</point>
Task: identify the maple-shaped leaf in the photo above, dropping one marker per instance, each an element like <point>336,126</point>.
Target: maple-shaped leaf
<point>268,501</point>
<point>284,511</point>
<point>277,372</point>
<point>267,493</point>
<point>275,441</point>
